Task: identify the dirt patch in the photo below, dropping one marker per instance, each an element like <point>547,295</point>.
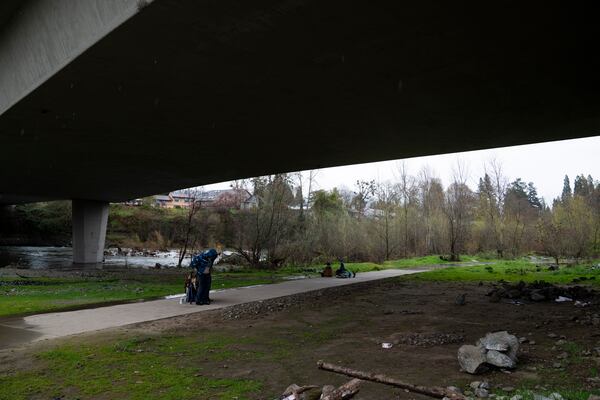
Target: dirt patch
<point>278,342</point>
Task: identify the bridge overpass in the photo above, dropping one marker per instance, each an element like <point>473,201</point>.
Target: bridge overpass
<point>107,100</point>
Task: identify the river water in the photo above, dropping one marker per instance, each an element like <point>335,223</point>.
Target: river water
<point>62,257</point>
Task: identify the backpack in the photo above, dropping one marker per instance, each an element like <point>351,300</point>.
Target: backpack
<point>199,262</point>
<point>203,260</point>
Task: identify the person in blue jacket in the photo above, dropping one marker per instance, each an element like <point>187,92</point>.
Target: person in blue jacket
<point>203,263</point>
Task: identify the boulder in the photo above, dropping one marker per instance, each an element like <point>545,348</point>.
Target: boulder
<point>501,341</point>
<point>498,359</point>
<point>472,358</point>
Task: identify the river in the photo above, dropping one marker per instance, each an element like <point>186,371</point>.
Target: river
<point>39,257</point>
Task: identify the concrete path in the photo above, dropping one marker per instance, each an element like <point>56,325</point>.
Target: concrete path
<point>16,331</point>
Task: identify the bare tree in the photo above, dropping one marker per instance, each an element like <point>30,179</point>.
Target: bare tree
<point>386,204</point>
<point>261,231</point>
<point>193,196</point>
<point>492,194</point>
<point>432,197</point>
<point>365,190</point>
<point>457,207</point>
<point>406,187</point>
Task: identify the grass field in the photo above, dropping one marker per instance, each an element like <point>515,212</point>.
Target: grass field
<point>514,271</point>
<point>135,368</point>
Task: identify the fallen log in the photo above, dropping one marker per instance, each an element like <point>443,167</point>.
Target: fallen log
<point>436,392</point>
<point>346,391</point>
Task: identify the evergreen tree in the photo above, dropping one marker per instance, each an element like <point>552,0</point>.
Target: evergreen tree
<point>566,192</point>
<point>580,187</point>
<point>532,197</point>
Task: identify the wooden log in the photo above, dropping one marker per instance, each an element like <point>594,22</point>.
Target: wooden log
<point>346,391</point>
<point>436,392</point>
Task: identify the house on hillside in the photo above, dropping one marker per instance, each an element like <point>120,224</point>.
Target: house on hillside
<point>229,198</point>
<point>181,199</point>
<point>163,200</point>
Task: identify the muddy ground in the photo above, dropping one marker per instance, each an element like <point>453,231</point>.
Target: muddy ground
<point>279,342</point>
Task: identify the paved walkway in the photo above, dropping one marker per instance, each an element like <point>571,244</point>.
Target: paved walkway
<point>16,331</point>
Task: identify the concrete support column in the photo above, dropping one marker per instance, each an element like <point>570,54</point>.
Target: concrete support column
<point>89,231</point>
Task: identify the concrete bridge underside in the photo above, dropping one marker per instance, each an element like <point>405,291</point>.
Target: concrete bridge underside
<point>106,100</point>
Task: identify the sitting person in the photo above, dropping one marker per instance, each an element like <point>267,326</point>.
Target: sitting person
<point>191,287</point>
<point>342,272</point>
<point>327,272</point>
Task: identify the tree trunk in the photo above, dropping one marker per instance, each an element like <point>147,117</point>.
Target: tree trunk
<point>436,392</point>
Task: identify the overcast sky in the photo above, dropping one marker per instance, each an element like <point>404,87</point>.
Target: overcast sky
<point>544,164</point>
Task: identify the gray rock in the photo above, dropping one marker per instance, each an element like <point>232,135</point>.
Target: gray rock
<point>481,393</point>
<point>485,385</point>
<point>517,397</point>
<point>556,396</point>
<point>454,389</point>
<point>540,397</point>
<point>474,384</point>
<point>498,359</point>
<point>472,359</point>
<point>501,341</point>
<point>508,389</point>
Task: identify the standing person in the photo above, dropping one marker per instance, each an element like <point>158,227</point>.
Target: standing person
<point>203,264</point>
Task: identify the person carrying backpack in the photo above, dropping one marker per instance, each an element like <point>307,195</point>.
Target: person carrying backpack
<point>203,264</point>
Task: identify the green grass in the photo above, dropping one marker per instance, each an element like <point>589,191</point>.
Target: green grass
<point>46,294</point>
<point>512,271</point>
<point>139,368</point>
<point>163,366</point>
